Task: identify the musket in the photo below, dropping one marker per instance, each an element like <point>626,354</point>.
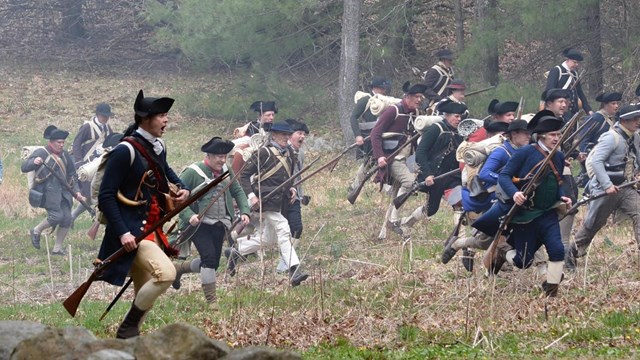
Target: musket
<point>579,130</point>
<point>421,186</point>
<point>335,160</point>
<point>66,186</point>
<point>575,145</point>
<point>520,108</point>
<point>602,194</point>
<point>353,195</point>
<point>455,232</point>
<point>270,194</point>
<point>190,229</point>
<point>470,93</point>
<point>528,189</point>
<point>73,301</point>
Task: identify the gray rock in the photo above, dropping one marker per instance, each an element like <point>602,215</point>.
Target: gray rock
<point>52,342</point>
<point>110,354</point>
<point>103,349</point>
<point>179,341</point>
<point>262,353</point>
<point>13,332</point>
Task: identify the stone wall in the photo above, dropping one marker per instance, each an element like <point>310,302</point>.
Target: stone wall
<point>31,340</point>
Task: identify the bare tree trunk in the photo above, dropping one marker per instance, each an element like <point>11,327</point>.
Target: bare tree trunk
<point>595,78</point>
<point>457,10</point>
<point>72,22</point>
<point>349,54</point>
<point>486,18</point>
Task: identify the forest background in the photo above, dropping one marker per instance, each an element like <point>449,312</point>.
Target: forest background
<point>366,299</point>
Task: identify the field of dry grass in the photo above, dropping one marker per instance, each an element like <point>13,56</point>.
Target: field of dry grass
<point>365,298</point>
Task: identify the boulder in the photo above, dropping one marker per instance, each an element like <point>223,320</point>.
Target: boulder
<point>13,332</point>
<point>179,341</point>
<point>53,342</point>
<point>103,349</point>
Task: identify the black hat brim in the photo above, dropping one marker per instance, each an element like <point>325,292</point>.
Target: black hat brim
<point>217,146</point>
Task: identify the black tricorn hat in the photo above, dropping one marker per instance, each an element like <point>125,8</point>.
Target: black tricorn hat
<point>264,106</point>
<point>497,126</point>
<point>516,125</point>
<point>609,97</point>
<point>104,109</point>
<point>48,130</point>
<point>147,106</point>
<point>58,134</point>
<point>444,54</point>
<point>544,121</point>
<point>553,94</point>
<point>572,54</point>
<point>297,125</point>
<point>281,127</point>
<point>217,146</point>
<point>629,112</point>
<point>379,82</point>
<point>413,89</point>
<point>112,140</point>
<point>452,107</point>
<point>496,107</point>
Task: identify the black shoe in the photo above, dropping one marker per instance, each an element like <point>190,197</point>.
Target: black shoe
<point>35,239</point>
<point>501,257</point>
<point>233,256</point>
<point>59,252</point>
<point>130,326</point>
<point>298,276</point>
<point>468,259</point>
<point>550,290</point>
<point>570,262</point>
<point>448,253</point>
<point>395,227</point>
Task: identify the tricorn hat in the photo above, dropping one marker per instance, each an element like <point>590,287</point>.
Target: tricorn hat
<point>112,140</point>
<point>297,125</point>
<point>379,82</point>
<point>544,121</point>
<point>48,130</point>
<point>58,134</point>
<point>281,127</point>
<point>147,106</point>
<point>629,112</point>
<point>104,109</point>
<point>413,89</point>
<point>217,146</point>
<point>516,125</point>
<point>264,106</point>
<point>609,97</point>
<point>553,94</point>
<point>572,54</point>
<point>456,84</point>
<point>444,54</point>
<point>452,107</point>
<point>497,126</point>
<point>496,107</point>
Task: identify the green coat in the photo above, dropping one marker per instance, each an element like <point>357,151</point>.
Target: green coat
<point>191,179</point>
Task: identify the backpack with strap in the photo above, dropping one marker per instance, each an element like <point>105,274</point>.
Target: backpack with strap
<point>26,153</point>
<point>97,179</point>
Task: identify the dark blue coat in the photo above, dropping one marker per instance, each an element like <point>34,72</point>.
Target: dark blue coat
<point>122,175</point>
<point>488,174</point>
<point>601,126</point>
<point>520,165</point>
